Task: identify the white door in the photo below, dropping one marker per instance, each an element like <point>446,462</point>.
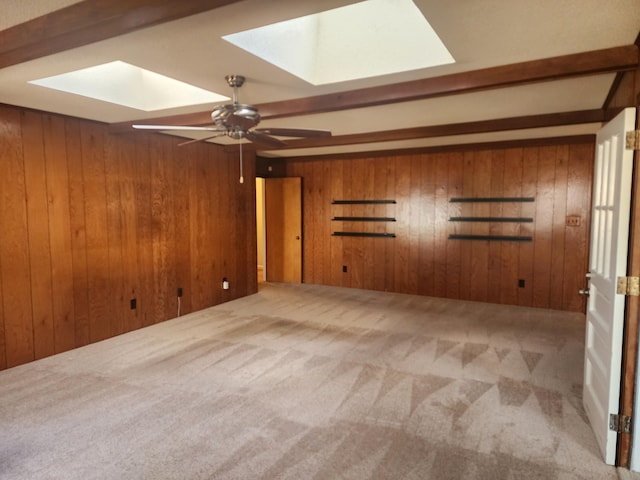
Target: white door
<point>607,261</point>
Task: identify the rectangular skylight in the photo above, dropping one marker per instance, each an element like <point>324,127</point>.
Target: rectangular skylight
<point>366,39</point>
<point>124,84</point>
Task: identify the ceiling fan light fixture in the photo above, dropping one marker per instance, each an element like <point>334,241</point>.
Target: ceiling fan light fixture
<point>236,120</point>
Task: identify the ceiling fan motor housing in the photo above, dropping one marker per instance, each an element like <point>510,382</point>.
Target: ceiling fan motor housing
<point>235,115</point>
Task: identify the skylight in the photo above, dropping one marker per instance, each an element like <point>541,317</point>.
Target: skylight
<point>124,84</point>
<point>366,39</point>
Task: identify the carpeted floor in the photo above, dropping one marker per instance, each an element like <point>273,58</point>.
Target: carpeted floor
<point>310,382</point>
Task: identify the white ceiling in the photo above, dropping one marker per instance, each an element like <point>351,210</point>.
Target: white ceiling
<point>478,33</point>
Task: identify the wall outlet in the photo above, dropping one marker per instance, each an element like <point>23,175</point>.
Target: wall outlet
<point>521,283</point>
<point>179,292</point>
<point>573,221</point>
<point>344,268</point>
<point>133,304</point>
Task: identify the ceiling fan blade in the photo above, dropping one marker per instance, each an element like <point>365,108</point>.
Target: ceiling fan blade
<point>178,127</point>
<point>196,140</point>
<point>293,132</point>
<point>262,138</point>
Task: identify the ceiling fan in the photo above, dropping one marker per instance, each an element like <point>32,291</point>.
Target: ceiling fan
<point>237,120</point>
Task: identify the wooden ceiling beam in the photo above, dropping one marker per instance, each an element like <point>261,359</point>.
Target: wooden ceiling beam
<point>91,21</point>
<point>609,60</point>
<point>466,128</point>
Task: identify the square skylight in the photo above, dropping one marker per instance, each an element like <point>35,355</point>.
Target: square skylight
<point>124,84</point>
<point>366,39</point>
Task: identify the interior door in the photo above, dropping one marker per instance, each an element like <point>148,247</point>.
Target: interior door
<point>607,261</point>
<point>283,229</point>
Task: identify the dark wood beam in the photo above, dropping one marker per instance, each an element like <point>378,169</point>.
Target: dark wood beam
<point>91,21</point>
<point>611,60</point>
<point>276,162</point>
<point>466,128</point>
<point>567,66</point>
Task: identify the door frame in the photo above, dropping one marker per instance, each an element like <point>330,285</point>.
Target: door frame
<point>628,456</point>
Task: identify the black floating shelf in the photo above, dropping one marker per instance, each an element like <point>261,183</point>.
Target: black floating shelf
<point>361,202</point>
<point>502,238</point>
<point>492,219</point>
<point>363,219</point>
<point>492,199</point>
<point>364,234</point>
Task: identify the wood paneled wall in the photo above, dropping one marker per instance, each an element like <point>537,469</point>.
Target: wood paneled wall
<point>90,221</point>
<point>421,259</point>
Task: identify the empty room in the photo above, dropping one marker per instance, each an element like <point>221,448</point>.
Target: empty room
<point>335,239</point>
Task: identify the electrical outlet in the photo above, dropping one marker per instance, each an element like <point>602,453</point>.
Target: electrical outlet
<point>521,283</point>
<point>133,304</point>
<point>179,292</point>
<point>344,268</point>
<point>573,221</point>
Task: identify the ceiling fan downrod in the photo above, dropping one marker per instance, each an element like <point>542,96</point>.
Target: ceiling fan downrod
<point>235,81</point>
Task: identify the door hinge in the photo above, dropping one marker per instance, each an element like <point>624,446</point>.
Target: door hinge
<point>620,423</point>
<point>628,286</point>
<point>633,140</point>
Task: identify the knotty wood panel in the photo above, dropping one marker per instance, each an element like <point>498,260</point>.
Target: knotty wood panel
<point>421,259</point>
<point>92,220</point>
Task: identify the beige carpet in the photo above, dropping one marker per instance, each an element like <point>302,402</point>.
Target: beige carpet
<point>309,382</point>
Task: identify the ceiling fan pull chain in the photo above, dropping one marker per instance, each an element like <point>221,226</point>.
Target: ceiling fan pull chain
<point>241,175</point>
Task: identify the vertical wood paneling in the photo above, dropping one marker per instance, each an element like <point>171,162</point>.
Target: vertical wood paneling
<point>95,206</point>
<point>14,252</point>
<point>380,244</point>
<point>413,250</point>
<point>525,260</point>
<point>181,218</point>
<point>38,231</point>
<point>494,275</point>
<point>466,248</point>
<point>442,165</point>
<point>78,233</point>
<point>579,181</point>
<point>558,239</point>
<point>542,244</point>
<point>336,243</point>
<point>452,256</point>
<point>127,160</point>
<point>421,259</point>
<point>59,223</point>
<point>115,237</point>
<point>427,226</point>
<point>142,181</point>
<point>479,271</point>
<point>91,221</point>
<point>510,251</point>
<point>403,209</point>
<point>3,346</point>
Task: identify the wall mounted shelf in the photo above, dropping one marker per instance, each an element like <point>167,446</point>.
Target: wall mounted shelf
<point>363,219</point>
<point>364,234</point>
<point>362,202</point>
<point>492,219</point>
<point>491,199</point>
<point>501,238</point>
<point>350,218</point>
